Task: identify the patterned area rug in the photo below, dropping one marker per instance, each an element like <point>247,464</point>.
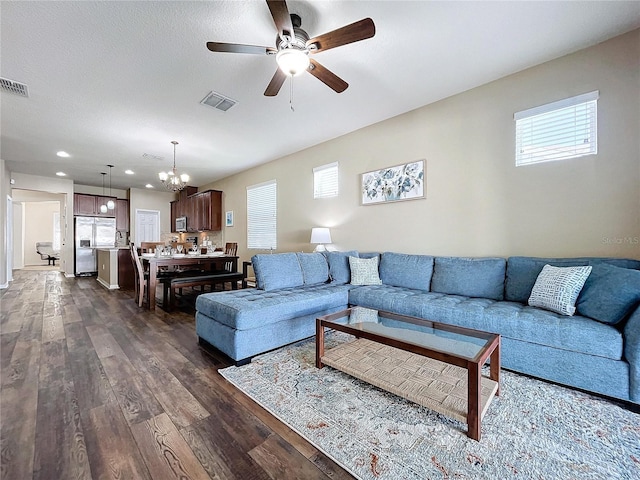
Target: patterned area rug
<point>533,430</point>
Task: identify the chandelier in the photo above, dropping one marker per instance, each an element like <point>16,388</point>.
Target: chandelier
<point>171,180</point>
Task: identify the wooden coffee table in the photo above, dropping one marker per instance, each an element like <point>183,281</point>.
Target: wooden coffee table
<point>430,363</point>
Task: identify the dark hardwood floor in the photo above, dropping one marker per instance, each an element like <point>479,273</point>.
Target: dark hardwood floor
<point>94,387</point>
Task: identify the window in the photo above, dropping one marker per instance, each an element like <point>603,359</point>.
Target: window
<point>261,216</point>
<point>325,181</point>
<point>56,231</point>
<point>557,131</point>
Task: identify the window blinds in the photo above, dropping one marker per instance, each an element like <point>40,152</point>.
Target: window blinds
<point>261,216</point>
<point>325,181</point>
<point>558,130</point>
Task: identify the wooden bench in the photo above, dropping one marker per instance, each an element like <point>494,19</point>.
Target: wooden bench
<point>171,285</point>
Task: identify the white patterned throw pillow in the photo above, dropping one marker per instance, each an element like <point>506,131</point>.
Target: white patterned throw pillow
<point>557,288</point>
<point>364,271</point>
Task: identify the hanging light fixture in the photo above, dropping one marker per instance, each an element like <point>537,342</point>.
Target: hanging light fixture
<point>103,207</point>
<point>171,180</point>
<point>110,204</point>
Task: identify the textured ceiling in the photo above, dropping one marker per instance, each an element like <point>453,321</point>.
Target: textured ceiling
<point>109,81</point>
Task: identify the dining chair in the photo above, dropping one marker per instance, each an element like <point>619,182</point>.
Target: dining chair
<point>230,249</point>
<point>141,276</point>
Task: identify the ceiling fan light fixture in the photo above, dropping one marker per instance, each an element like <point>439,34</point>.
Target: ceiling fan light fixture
<point>292,61</point>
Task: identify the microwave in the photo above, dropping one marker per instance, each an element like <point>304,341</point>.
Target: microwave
<point>181,224</point>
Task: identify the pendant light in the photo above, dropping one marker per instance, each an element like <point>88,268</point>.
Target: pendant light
<point>110,204</point>
<point>103,207</point>
<point>171,180</point>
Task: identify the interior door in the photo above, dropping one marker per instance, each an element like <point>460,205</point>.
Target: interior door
<point>147,226</point>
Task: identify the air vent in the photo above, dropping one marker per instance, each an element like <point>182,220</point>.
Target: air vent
<point>218,101</point>
<point>152,157</point>
<point>16,88</point>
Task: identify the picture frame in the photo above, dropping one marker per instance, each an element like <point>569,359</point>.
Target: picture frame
<point>228,219</point>
<point>392,184</point>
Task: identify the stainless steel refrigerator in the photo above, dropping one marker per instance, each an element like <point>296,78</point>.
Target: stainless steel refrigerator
<point>92,233</point>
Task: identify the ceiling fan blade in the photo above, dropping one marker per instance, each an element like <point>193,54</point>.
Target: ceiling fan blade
<point>238,48</point>
<point>355,32</point>
<point>327,77</point>
<point>275,84</point>
<point>281,17</point>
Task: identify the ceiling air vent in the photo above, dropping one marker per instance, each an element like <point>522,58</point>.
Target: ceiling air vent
<point>218,101</point>
<point>152,157</point>
<point>16,88</point>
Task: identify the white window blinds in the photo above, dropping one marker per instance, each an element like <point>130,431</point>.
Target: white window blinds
<point>557,131</point>
<point>261,216</point>
<point>325,181</point>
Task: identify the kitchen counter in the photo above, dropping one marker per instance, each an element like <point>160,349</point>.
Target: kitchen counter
<point>115,269</point>
<point>108,267</point>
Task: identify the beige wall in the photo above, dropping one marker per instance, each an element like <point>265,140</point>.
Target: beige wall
<point>477,202</point>
<point>38,227</point>
<point>91,190</point>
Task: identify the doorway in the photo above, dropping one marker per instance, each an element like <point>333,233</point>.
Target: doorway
<point>147,226</point>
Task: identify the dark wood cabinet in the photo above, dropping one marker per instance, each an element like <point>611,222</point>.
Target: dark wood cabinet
<point>126,275</point>
<point>203,211</point>
<point>89,205</point>
<point>174,214</point>
<point>84,204</point>
<point>122,215</point>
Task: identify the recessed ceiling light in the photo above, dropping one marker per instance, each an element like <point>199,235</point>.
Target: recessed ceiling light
<point>63,154</point>
<point>148,185</point>
<point>61,174</point>
<point>129,172</point>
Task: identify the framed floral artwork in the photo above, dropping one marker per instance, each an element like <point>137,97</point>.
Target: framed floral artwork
<point>402,182</point>
<point>228,219</point>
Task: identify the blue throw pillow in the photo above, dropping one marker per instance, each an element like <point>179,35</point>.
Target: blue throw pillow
<point>471,277</point>
<point>339,270</point>
<point>274,271</point>
<point>609,294</point>
<point>315,268</point>
<point>408,271</point>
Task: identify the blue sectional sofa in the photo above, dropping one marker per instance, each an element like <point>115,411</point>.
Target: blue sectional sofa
<point>597,349</point>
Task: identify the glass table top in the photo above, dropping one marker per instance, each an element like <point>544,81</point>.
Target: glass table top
<point>459,341</point>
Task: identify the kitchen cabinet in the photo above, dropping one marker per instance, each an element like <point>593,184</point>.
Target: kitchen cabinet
<point>203,211</point>
<point>174,214</point>
<point>84,204</point>
<point>122,215</point>
<point>89,205</point>
<point>102,200</point>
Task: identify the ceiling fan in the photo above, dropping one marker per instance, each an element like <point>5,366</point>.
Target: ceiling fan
<point>293,47</point>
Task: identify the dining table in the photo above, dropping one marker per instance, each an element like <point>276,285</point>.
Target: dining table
<point>207,262</point>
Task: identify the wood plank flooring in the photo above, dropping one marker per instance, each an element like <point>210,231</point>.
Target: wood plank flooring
<point>93,387</point>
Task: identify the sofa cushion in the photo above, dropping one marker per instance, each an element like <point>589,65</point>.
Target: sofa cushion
<point>403,270</point>
<point>557,288</point>
<point>339,270</point>
<point>522,272</point>
<point>252,308</point>
<point>471,277</point>
<point>364,271</point>
<point>609,294</point>
<point>274,271</point>
<point>509,319</point>
<point>315,268</point>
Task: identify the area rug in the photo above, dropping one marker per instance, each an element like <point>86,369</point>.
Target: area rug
<point>533,430</point>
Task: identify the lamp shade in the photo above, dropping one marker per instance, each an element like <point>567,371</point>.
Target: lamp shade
<point>320,235</point>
